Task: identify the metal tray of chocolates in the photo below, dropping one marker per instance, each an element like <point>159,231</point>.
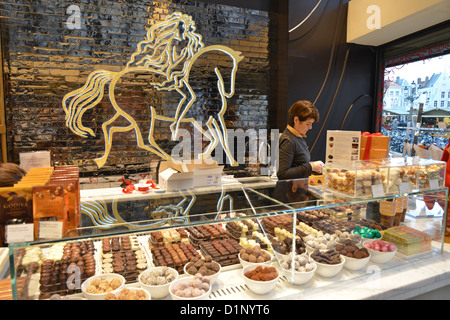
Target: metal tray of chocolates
<point>123,255</point>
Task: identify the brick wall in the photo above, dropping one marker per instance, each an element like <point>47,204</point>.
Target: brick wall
<point>44,59</point>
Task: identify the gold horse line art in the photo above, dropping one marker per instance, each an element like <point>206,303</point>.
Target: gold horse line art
<point>167,62</point>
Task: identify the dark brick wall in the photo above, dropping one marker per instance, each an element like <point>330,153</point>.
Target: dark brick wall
<point>44,60</point>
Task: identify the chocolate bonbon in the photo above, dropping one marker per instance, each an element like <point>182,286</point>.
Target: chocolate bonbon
<point>174,255</point>
<point>261,273</point>
<point>285,246</point>
<point>350,250</point>
<point>158,277</point>
<point>327,257</point>
<point>224,251</point>
<point>255,255</point>
<point>205,266</point>
<point>301,263</point>
<point>368,233</point>
<point>77,260</point>
<point>320,241</point>
<point>120,257</point>
<point>192,287</point>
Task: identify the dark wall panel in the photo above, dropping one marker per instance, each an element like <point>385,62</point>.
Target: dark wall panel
<point>326,69</point>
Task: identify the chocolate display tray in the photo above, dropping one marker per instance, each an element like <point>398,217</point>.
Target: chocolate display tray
<point>224,251</point>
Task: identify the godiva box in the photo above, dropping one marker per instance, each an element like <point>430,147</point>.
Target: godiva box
<point>72,199</point>
<point>69,177</point>
<point>49,205</point>
<point>16,207</point>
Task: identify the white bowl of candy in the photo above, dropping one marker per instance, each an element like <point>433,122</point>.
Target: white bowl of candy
<point>97,287</point>
<point>299,271</point>
<point>254,255</point>
<point>322,242</point>
<point>261,279</point>
<point>327,269</point>
<point>157,280</point>
<point>354,264</point>
<point>197,287</point>
<point>380,251</point>
<point>213,267</point>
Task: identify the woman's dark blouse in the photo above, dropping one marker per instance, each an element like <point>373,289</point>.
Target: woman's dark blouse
<point>294,157</point>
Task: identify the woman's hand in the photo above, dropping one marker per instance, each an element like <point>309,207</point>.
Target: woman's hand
<point>317,166</point>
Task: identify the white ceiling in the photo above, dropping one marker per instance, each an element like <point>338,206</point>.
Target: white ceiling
<point>405,25</point>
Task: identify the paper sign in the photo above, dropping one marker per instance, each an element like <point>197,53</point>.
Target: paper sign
<point>36,159</point>
<point>342,146</point>
<point>377,191</point>
<point>404,187</point>
<point>50,229</point>
<point>434,184</point>
<point>18,233</point>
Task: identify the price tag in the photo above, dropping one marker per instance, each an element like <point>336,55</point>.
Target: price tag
<point>434,184</point>
<point>50,229</point>
<point>18,233</point>
<point>377,191</point>
<point>404,187</point>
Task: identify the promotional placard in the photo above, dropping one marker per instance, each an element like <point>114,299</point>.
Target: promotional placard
<point>342,146</point>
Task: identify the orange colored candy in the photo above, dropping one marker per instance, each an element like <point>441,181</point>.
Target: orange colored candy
<point>262,273</point>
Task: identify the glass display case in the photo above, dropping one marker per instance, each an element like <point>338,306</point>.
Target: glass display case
<point>368,178</point>
<point>240,225</point>
<point>357,179</point>
<point>414,173</point>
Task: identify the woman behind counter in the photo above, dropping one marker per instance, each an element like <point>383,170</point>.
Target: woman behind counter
<point>294,157</point>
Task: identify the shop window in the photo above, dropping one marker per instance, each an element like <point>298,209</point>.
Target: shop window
<point>418,82</point>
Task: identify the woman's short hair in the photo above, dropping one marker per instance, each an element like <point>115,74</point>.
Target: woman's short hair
<point>304,110</point>
<point>10,174</point>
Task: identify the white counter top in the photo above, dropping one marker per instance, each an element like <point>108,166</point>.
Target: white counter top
<point>116,193</point>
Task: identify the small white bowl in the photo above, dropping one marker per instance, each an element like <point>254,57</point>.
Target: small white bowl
<point>380,256</point>
<point>147,294</point>
<point>245,263</point>
<point>300,277</point>
<point>259,287</point>
<point>157,291</point>
<point>212,278</point>
<point>329,270</point>
<point>176,297</point>
<point>106,276</point>
<point>355,263</point>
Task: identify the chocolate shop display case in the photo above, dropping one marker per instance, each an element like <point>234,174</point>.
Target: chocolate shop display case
<point>366,178</point>
<point>241,235</point>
